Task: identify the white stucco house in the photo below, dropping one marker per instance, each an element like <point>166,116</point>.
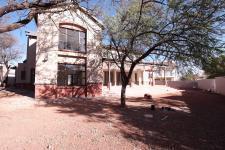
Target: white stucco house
<point>63,59</point>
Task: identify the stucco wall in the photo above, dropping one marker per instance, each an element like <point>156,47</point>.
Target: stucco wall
<point>182,84</point>
<point>220,85</point>
<point>207,84</point>
<point>216,85</point>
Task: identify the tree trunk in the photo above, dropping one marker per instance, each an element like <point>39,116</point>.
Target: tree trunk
<point>123,95</point>
<point>4,79</point>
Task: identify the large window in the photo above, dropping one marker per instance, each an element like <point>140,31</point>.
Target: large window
<point>71,75</point>
<point>70,39</point>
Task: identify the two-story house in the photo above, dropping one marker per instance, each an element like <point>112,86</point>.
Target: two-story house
<point>62,58</point>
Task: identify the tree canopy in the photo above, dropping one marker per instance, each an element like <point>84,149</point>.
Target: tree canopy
<point>215,67</point>
<point>177,30</point>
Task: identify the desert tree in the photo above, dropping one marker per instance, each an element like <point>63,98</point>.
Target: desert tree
<point>8,53</point>
<point>175,30</point>
<point>215,67</point>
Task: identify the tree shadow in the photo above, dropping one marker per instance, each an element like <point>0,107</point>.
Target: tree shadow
<point>202,127</point>
<point>16,91</point>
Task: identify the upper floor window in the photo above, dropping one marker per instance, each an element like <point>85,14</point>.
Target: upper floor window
<point>71,39</point>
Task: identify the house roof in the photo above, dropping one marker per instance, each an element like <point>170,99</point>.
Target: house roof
<point>83,10</point>
<point>92,17</point>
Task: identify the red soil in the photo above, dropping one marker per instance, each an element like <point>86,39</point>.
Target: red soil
<point>197,123</point>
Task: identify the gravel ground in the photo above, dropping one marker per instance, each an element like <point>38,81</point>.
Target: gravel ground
<point>195,120</point>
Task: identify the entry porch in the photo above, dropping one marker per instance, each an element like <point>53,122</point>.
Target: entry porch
<point>113,78</point>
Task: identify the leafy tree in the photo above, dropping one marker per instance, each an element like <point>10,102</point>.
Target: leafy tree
<point>178,30</point>
<point>215,67</point>
<point>189,75</point>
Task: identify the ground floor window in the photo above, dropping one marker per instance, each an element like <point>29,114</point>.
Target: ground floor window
<point>71,75</point>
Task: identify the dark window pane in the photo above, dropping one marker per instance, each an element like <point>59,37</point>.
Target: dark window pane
<point>72,39</point>
<point>69,74</point>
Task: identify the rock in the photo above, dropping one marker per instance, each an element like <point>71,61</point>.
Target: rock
<point>152,107</point>
<point>148,96</point>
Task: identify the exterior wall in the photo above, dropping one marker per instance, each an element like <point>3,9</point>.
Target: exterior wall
<point>207,84</point>
<point>54,91</point>
<point>182,84</point>
<point>216,85</point>
<point>48,55</point>
<point>220,85</point>
<point>27,65</point>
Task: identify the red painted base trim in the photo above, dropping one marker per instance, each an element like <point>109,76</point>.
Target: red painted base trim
<point>54,91</point>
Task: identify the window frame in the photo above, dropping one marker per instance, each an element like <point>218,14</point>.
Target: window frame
<point>72,85</point>
<point>80,29</point>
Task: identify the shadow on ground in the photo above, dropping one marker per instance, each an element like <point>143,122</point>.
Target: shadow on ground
<point>198,123</point>
<point>11,91</point>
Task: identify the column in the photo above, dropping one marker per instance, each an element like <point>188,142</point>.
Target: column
<point>139,77</point>
<point>115,78</point>
<point>132,79</point>
<point>164,75</point>
<point>153,78</point>
<point>109,81</point>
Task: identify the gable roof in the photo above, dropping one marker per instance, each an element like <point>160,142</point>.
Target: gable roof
<point>92,17</point>
<point>83,10</point>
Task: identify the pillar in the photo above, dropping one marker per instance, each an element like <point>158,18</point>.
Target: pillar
<point>115,80</point>
<point>153,78</point>
<point>139,76</point>
<point>109,81</point>
<point>164,75</point>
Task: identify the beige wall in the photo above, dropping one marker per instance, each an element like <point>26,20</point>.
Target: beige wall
<point>207,84</point>
<point>220,85</point>
<point>216,85</point>
<point>182,84</point>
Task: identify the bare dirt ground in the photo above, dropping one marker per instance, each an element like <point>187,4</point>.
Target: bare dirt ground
<point>197,121</point>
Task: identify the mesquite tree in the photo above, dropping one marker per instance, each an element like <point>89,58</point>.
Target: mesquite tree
<point>178,30</point>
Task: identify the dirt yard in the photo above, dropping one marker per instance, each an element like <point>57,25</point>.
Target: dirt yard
<point>196,121</point>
